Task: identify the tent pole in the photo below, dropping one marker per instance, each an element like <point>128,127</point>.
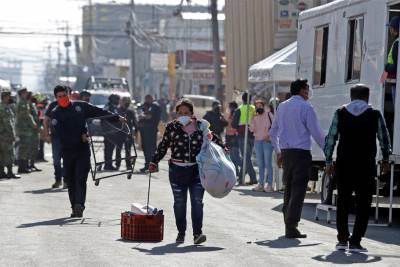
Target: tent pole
<point>274,96</point>
<point>245,140</point>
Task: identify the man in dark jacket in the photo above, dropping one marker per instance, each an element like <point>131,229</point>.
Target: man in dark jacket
<point>112,106</point>
<point>148,126</point>
<point>356,126</point>
<point>131,121</point>
<point>216,119</point>
<point>69,122</point>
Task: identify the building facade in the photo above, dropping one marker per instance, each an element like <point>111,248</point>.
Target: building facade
<point>254,29</point>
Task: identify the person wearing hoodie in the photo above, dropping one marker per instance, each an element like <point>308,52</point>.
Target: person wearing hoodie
<point>357,126</point>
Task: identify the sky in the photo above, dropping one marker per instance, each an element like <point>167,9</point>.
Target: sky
<point>45,16</point>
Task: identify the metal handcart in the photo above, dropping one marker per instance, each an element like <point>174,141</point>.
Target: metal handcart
<point>110,128</point>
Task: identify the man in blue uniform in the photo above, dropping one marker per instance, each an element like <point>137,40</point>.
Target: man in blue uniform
<point>69,122</point>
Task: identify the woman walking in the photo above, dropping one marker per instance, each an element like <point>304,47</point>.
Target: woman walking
<point>260,126</point>
<point>184,136</point>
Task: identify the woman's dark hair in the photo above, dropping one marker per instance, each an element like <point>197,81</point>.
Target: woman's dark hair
<point>61,88</point>
<point>233,105</point>
<point>184,102</point>
<point>297,85</point>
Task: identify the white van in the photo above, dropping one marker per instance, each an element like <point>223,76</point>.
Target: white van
<point>341,44</point>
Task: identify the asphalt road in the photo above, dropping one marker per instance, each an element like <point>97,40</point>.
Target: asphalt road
<point>243,229</point>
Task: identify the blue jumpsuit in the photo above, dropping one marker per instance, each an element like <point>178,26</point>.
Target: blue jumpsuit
<point>70,124</point>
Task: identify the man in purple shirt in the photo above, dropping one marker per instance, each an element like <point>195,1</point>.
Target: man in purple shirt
<point>291,132</point>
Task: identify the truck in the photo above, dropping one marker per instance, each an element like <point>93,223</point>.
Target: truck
<point>339,45</point>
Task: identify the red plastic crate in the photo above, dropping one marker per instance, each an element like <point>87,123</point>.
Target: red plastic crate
<point>138,227</point>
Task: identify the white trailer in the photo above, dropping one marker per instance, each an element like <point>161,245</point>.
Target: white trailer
<point>343,43</point>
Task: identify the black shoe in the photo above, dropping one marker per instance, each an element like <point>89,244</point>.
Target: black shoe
<point>65,185</point>
<point>3,175</point>
<point>356,248</point>
<point>341,246</point>
<point>110,168</point>
<point>198,239</point>
<point>11,175</point>
<point>22,170</point>
<point>77,211</point>
<point>56,185</point>
<point>35,169</point>
<point>294,233</point>
<point>144,170</point>
<point>180,238</point>
<point>251,183</point>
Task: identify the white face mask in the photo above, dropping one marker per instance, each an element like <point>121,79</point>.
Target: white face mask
<point>184,120</point>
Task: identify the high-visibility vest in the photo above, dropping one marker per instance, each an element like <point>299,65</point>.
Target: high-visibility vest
<point>243,111</point>
<point>390,55</point>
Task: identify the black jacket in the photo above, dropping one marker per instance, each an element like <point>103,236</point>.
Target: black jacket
<point>70,124</point>
<point>217,122</point>
<point>154,114</point>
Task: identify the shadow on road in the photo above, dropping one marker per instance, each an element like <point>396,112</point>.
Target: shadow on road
<point>339,257</point>
<point>283,242</point>
<point>174,248</point>
<point>45,191</point>
<point>387,235</point>
<point>59,221</point>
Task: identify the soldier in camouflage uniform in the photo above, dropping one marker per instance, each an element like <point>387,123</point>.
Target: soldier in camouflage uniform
<point>25,128</point>
<point>7,136</point>
<point>34,141</point>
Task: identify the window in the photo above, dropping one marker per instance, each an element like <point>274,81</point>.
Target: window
<point>354,48</point>
<point>320,55</point>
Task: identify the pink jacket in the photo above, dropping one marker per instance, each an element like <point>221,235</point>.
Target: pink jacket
<point>261,124</point>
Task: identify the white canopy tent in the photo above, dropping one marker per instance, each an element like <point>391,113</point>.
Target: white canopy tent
<point>279,67</point>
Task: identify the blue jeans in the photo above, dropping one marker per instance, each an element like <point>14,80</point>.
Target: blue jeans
<point>249,165</point>
<point>264,160</point>
<point>56,151</point>
<point>183,179</point>
<point>232,141</point>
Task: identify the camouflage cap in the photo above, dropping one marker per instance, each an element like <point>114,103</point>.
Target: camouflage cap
<point>5,92</point>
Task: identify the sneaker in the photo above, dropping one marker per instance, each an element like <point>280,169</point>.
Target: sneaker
<point>56,185</point>
<point>268,188</point>
<point>258,188</point>
<point>356,248</point>
<point>341,246</point>
<point>198,239</point>
<point>180,238</point>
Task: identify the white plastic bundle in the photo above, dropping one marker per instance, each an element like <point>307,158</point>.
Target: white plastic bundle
<point>217,172</point>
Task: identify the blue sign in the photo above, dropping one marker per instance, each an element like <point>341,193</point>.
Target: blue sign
<point>284,13</point>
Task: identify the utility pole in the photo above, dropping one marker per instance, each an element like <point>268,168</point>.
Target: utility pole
<point>216,52</point>
<point>67,45</point>
<point>131,33</point>
<point>90,44</point>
